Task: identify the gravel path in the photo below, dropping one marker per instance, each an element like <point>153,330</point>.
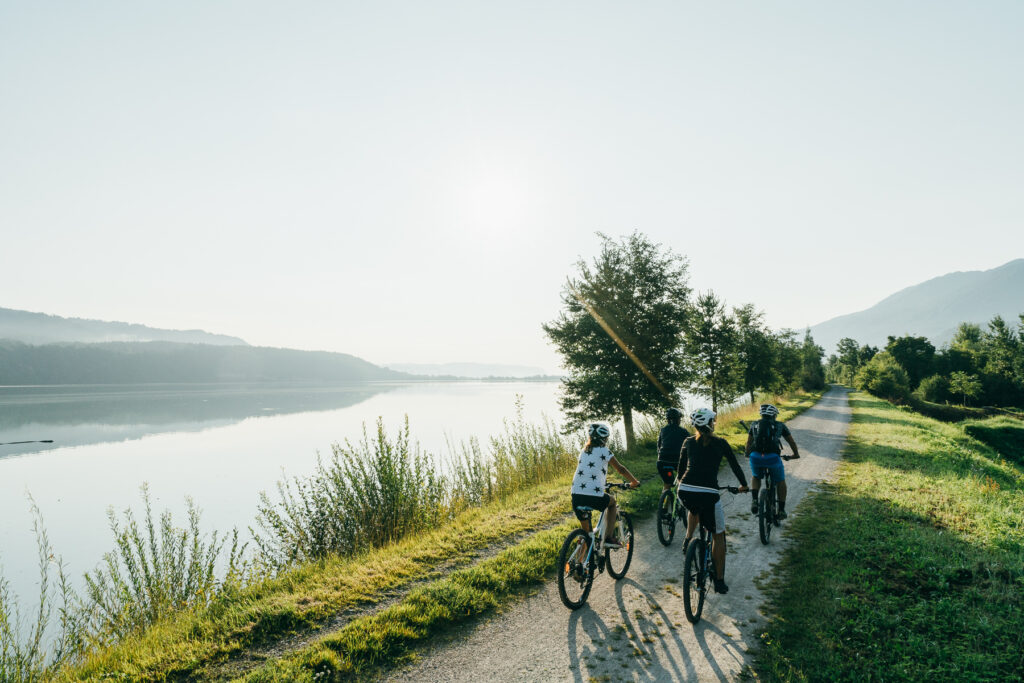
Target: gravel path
<point>636,629</point>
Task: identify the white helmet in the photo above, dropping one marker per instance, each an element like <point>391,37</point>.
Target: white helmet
<point>768,410</point>
<point>702,417</point>
<point>599,429</point>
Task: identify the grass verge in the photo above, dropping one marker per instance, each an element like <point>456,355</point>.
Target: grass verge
<point>909,566</point>
<point>305,597</point>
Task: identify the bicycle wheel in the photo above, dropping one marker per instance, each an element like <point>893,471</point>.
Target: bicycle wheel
<point>666,518</point>
<point>617,557</point>
<point>764,515</point>
<point>695,580</point>
<point>574,575</point>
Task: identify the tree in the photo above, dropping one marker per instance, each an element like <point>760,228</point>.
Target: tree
<point>620,332</point>
<point>915,354</point>
<point>884,377</point>
<point>788,360</point>
<point>812,374</point>
<point>965,385</point>
<point>755,350</point>
<point>711,346</point>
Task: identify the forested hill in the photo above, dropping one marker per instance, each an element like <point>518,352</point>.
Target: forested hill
<point>144,362</point>
<point>40,328</point>
<point>933,309</point>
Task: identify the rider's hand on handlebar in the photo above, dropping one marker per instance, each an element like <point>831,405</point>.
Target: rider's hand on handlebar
<point>743,489</point>
<point>634,484</point>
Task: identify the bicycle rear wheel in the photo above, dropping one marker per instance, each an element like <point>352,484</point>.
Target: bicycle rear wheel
<point>619,558</point>
<point>695,580</point>
<point>666,518</point>
<point>764,515</point>
<point>575,577</point>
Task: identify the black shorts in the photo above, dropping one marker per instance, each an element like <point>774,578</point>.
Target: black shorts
<point>596,502</point>
<point>704,505</point>
<point>667,470</point>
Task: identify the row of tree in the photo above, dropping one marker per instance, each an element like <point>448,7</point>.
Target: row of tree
<point>979,365</point>
<point>633,337</point>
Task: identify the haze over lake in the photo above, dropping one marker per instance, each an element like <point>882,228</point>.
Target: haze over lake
<point>219,444</point>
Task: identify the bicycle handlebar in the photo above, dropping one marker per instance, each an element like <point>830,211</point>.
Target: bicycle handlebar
<point>730,489</point>
<point>617,485</point>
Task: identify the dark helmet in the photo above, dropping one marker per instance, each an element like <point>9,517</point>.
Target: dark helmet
<point>673,415</point>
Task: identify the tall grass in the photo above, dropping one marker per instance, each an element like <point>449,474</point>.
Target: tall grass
<point>27,648</point>
<point>156,569</point>
<point>382,488</point>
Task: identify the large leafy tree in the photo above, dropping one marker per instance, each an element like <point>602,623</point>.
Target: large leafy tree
<point>812,373</point>
<point>712,348</point>
<point>915,354</point>
<point>755,350</point>
<point>620,331</point>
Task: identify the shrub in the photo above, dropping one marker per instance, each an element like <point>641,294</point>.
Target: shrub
<point>934,389</point>
<point>882,376</point>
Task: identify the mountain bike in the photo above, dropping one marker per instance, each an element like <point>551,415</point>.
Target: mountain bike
<point>670,509</point>
<point>581,557</point>
<point>699,570</point>
<point>768,505</point>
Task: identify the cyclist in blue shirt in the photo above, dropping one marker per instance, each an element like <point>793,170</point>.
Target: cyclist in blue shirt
<point>764,444</point>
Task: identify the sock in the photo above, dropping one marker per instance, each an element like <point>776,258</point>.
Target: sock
<point>753,494</point>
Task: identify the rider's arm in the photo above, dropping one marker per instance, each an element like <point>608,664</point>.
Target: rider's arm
<point>750,444</point>
<point>792,444</point>
<point>736,469</point>
<point>624,472</point>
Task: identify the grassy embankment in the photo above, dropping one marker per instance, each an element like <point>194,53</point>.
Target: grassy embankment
<point>910,566</point>
<point>391,636</point>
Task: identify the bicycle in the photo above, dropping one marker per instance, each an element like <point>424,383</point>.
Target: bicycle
<point>699,570</point>
<point>581,558</point>
<point>767,502</point>
<point>670,508</point>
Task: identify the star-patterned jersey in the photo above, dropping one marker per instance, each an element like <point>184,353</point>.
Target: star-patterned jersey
<point>592,472</point>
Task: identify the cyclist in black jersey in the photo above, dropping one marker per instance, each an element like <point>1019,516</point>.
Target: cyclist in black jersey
<point>670,445</point>
<point>702,454</point>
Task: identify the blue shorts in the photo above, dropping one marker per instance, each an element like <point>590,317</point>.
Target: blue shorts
<point>760,462</point>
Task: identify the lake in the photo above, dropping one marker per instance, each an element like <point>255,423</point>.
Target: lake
<point>219,444</point>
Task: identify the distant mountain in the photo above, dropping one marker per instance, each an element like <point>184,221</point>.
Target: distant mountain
<point>468,370</point>
<point>40,328</point>
<point>933,309</point>
<point>157,362</point>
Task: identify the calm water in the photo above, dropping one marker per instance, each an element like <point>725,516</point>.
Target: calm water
<point>220,445</point>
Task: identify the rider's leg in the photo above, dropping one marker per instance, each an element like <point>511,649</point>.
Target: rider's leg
<point>718,553</point>
<point>781,488</point>
<point>609,528</point>
<point>755,488</point>
<point>691,524</point>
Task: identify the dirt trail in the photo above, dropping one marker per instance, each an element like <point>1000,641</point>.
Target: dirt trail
<point>636,629</point>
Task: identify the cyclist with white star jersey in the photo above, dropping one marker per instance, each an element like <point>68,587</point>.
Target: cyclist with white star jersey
<point>591,476</point>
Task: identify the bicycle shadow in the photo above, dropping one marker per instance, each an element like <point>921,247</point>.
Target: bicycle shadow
<point>596,630</point>
<point>641,640</point>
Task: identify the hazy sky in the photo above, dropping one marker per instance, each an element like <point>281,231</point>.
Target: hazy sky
<point>414,181</point>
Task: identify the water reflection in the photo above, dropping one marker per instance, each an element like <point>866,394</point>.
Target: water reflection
<point>83,415</point>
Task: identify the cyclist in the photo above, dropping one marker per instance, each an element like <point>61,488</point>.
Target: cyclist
<point>670,445</point>
<point>702,454</point>
<point>764,446</point>
<point>591,475</point>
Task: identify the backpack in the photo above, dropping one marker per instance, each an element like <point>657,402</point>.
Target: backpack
<point>766,436</point>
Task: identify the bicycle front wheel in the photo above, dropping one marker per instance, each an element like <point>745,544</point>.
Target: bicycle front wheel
<point>695,579</point>
<point>619,558</point>
<point>574,571</point>
<point>666,518</point>
<point>764,515</point>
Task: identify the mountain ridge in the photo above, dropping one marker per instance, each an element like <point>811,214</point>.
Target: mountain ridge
<point>933,308</point>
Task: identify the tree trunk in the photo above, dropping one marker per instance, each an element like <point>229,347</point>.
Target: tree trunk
<point>751,397</point>
<point>627,425</point>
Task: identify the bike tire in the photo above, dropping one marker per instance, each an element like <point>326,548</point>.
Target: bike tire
<point>666,518</point>
<point>623,554</point>
<point>695,578</point>
<point>568,579</point>
<point>764,516</point>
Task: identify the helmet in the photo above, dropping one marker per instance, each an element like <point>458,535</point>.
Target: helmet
<point>599,430</point>
<point>702,417</point>
<point>768,410</point>
<point>673,415</point>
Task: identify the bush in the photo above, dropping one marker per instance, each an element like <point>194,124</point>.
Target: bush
<point>882,376</point>
<point>934,389</point>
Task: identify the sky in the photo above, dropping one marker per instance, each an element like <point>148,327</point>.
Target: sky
<point>414,182</point>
